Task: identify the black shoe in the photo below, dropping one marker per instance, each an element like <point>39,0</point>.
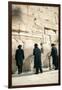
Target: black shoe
<point>36,73</point>
<point>56,68</point>
<point>19,72</point>
<point>41,71</point>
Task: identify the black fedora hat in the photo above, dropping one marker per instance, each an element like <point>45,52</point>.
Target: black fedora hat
<point>19,46</point>
<point>52,44</point>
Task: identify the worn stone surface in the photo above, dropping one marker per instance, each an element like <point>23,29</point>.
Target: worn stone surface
<point>29,78</point>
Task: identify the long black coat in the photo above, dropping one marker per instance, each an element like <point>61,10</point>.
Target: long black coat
<point>37,57</point>
<point>19,56</point>
<point>54,55</point>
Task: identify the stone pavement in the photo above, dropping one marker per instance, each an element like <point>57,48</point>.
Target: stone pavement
<point>29,78</point>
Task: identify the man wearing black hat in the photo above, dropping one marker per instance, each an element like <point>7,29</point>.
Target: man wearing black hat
<point>37,59</point>
<point>19,57</point>
<point>54,56</point>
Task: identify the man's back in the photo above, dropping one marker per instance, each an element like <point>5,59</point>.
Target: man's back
<point>19,54</point>
<point>54,51</point>
<point>37,51</point>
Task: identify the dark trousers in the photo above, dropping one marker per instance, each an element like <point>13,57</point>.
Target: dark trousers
<point>19,68</point>
<point>55,62</point>
<point>38,68</point>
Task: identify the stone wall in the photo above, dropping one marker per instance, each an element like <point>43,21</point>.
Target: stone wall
<point>30,25</point>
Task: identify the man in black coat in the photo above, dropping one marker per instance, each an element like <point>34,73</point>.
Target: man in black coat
<point>19,57</point>
<point>37,59</point>
<point>54,56</point>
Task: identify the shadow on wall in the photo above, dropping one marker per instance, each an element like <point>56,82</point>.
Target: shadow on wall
<point>28,64</point>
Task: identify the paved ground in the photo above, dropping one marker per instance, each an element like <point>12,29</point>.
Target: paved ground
<point>29,78</point>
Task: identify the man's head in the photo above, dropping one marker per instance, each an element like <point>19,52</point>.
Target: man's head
<point>52,45</point>
<point>19,46</point>
<point>35,45</point>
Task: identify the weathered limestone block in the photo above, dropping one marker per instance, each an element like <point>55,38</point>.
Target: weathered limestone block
<point>28,51</point>
<point>45,55</point>
<point>14,46</point>
<point>28,64</point>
